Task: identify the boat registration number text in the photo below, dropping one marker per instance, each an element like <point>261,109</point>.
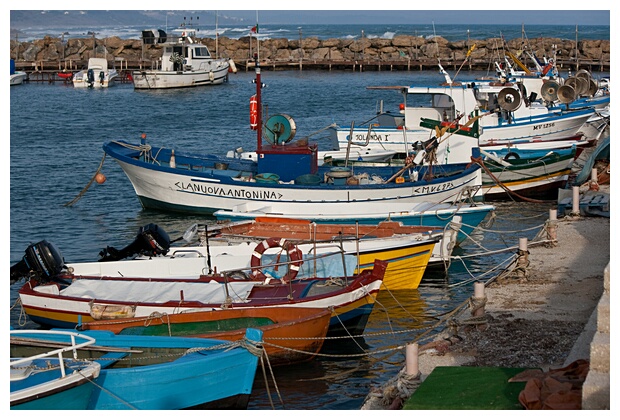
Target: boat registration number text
<point>543,126</point>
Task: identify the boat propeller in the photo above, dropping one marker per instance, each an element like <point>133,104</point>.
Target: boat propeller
<point>151,240</point>
<point>42,261</point>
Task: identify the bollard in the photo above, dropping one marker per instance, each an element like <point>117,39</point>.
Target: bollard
<point>479,301</point>
<point>522,262</point>
<point>411,358</point>
<point>478,297</point>
<point>575,201</point>
<point>552,226</point>
<point>594,180</point>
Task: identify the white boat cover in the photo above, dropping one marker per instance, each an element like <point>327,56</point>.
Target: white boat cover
<point>158,292</point>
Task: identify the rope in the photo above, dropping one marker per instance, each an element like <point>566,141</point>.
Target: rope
<point>510,193</point>
<point>77,198</point>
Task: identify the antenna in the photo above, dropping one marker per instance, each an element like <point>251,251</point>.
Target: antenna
<point>436,43</point>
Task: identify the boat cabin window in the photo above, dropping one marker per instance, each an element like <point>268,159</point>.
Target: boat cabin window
<point>201,52</point>
<point>442,103</point>
<point>179,50</point>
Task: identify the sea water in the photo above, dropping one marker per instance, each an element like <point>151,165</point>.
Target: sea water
<point>56,138</point>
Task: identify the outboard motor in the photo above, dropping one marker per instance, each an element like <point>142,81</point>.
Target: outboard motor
<point>101,77</point>
<point>90,74</point>
<point>41,260</point>
<point>151,240</point>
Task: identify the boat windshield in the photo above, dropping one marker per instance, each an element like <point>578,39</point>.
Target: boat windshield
<point>440,102</point>
<point>202,52</point>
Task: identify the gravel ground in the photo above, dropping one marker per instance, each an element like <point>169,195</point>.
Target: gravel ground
<point>536,320</point>
<point>535,317</point>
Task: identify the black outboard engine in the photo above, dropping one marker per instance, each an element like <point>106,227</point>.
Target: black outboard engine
<point>151,240</point>
<point>90,74</point>
<point>101,76</point>
<point>41,260</point>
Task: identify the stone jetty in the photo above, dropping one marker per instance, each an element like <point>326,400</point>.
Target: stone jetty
<point>398,53</point>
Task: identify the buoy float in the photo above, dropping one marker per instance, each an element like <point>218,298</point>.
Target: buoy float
<point>294,254</point>
<point>100,178</point>
<point>253,112</point>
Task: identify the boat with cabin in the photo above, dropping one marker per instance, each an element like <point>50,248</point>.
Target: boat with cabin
<point>185,62</point>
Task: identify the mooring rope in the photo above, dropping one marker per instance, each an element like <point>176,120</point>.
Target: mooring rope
<point>76,199</point>
<point>500,184</point>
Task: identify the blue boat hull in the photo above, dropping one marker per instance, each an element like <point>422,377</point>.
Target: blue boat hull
<point>209,375</point>
<point>75,398</point>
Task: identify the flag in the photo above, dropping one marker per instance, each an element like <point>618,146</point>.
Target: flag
<point>255,29</point>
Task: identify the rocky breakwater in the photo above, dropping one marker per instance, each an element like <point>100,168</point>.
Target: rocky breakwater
<point>399,49</point>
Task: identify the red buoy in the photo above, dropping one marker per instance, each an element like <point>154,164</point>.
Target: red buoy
<point>253,112</point>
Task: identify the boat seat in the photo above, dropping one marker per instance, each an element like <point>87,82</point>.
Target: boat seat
<point>21,371</point>
<point>50,289</point>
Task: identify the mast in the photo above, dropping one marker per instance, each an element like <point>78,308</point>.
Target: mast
<point>576,47</point>
<point>259,105</point>
<point>257,43</point>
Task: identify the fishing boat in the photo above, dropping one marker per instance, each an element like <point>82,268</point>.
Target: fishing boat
<point>53,297</point>
<point>185,62</point>
<point>421,214</point>
<point>17,77</point>
<point>407,256</point>
<point>332,250</point>
<point>537,150</point>
<point>365,242</point>
<point>96,75</point>
<point>66,75</point>
<point>160,373</point>
<point>285,174</point>
<point>539,177</point>
<point>290,335</point>
<point>484,114</point>
<point>43,379</point>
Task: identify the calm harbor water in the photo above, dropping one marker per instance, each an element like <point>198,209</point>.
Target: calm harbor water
<point>56,135</point>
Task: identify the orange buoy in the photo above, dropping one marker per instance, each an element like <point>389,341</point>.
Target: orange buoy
<point>100,178</point>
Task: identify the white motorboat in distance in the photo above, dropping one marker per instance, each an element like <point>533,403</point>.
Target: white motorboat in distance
<point>97,75</point>
<point>184,63</point>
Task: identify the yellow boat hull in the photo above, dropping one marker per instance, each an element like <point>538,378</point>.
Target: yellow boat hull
<point>406,265</point>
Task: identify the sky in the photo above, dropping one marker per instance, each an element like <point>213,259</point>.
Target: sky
<point>405,15</point>
<point>361,12</point>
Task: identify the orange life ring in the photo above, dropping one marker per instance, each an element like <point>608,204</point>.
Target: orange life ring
<point>253,112</point>
<point>295,256</point>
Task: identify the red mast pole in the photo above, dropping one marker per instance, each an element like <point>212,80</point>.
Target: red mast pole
<point>259,128</point>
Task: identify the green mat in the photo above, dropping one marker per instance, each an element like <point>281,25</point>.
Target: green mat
<point>468,388</point>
